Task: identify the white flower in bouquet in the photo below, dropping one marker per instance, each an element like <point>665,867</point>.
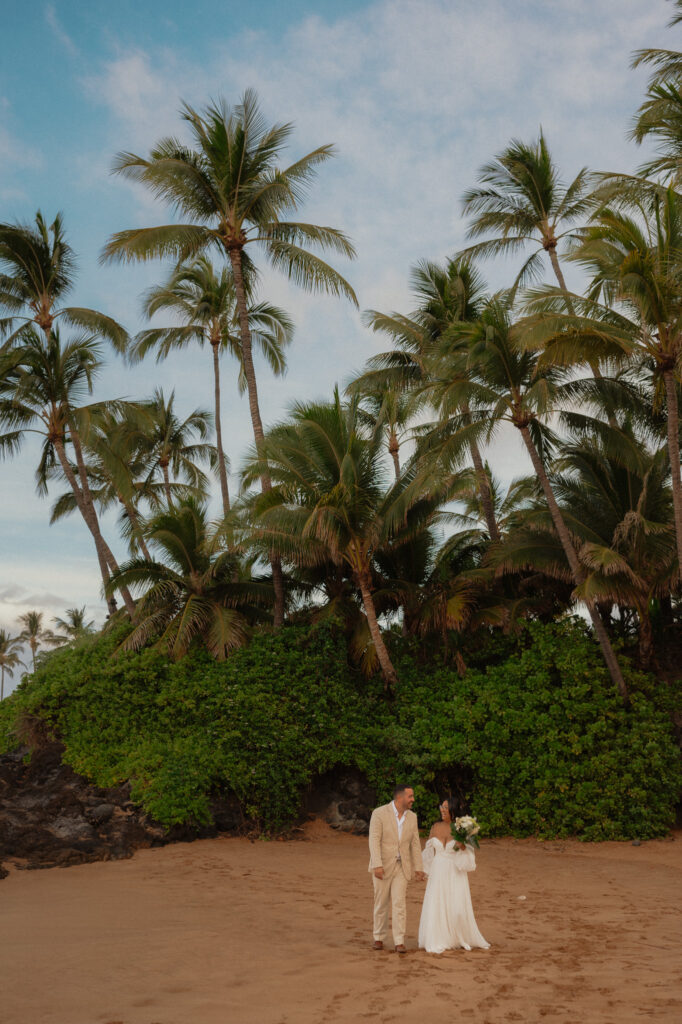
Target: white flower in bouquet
<point>465,830</point>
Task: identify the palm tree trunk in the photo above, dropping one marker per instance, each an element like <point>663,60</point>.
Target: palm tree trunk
<point>484,492</point>
<point>101,555</point>
<point>387,670</point>
<point>139,536</point>
<point>235,254</point>
<point>113,567</point>
<point>166,484</point>
<point>674,455</point>
<point>576,569</point>
<point>93,521</point>
<point>558,273</point>
<point>222,471</point>
<point>247,352</point>
<point>646,636</point>
<point>394,449</point>
<point>596,372</point>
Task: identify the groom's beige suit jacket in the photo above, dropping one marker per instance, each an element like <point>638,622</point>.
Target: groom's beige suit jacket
<point>384,847</point>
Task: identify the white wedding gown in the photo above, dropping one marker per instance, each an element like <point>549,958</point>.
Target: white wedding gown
<point>447,920</point>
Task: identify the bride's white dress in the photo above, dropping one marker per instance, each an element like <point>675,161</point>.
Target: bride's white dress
<point>447,920</point>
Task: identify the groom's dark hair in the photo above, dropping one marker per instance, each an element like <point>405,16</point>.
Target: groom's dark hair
<point>401,787</point>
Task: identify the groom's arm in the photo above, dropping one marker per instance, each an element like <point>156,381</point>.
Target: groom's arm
<point>416,849</point>
<point>375,831</point>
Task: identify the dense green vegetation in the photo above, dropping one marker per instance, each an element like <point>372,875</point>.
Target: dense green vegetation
<point>540,732</point>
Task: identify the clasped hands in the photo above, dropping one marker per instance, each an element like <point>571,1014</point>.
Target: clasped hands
<point>419,875</point>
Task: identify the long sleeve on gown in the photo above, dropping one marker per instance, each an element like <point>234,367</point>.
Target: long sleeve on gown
<point>428,854</point>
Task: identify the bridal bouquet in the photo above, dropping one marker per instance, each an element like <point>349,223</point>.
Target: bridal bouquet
<point>465,830</point>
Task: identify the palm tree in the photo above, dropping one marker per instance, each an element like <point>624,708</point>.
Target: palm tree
<point>121,467</point>
<point>634,259</point>
<point>34,633</point>
<point>447,295</point>
<point>625,519</point>
<point>204,302</point>
<point>37,267</point>
<point>42,385</point>
<point>666,64</point>
<point>234,197</point>
<point>458,595</point>
<point>169,443</point>
<point>330,502</point>
<point>505,383</point>
<point>615,497</point>
<point>114,467</point>
<point>659,120</point>
<point>74,625</point>
<point>450,295</point>
<point>198,590</point>
<point>389,411</point>
<point>9,658</point>
<point>472,514</point>
<point>522,201</point>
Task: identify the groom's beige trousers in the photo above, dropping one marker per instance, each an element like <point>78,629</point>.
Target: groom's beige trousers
<point>390,891</point>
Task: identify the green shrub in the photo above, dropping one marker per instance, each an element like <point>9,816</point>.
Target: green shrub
<point>544,738</point>
<point>552,748</point>
<point>260,724</point>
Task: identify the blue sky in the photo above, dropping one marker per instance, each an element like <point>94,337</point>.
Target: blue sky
<point>416,95</point>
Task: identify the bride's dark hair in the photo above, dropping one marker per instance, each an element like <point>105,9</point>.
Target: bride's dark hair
<point>453,807</point>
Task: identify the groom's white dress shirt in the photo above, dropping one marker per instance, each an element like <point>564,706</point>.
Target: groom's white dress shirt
<point>399,821</point>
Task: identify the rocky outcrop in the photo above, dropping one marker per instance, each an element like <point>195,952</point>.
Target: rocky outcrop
<point>343,798</point>
<point>50,816</point>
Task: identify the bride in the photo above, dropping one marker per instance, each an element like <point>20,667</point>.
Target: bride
<point>447,920</point>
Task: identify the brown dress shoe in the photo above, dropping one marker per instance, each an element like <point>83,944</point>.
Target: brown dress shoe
<point>400,949</point>
<point>378,945</point>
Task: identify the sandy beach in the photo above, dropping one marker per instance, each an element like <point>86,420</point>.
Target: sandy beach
<point>228,931</point>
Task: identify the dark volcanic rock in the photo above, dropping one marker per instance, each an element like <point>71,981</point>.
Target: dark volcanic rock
<point>227,813</point>
<point>101,813</point>
<point>343,797</point>
<point>50,816</point>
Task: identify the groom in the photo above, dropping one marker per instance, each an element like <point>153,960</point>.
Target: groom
<point>395,857</point>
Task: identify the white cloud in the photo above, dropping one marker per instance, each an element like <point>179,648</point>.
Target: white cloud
<point>140,96</point>
<point>59,31</point>
<point>15,154</point>
<point>15,595</point>
<point>16,157</point>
